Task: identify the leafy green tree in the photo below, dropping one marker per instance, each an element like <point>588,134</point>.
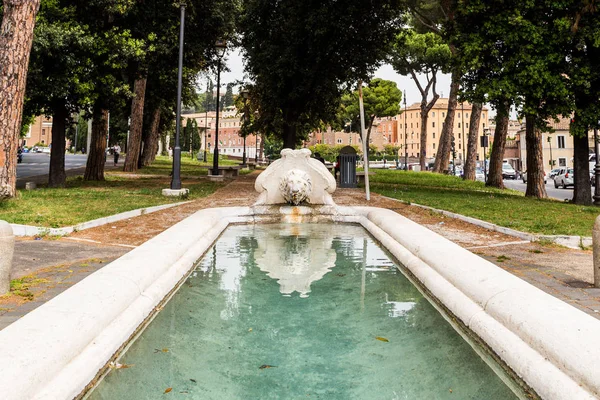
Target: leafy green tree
<point>381,98</point>
<point>300,54</point>
<point>227,100</point>
<point>517,49</point>
<point>427,54</point>
<point>59,82</point>
<point>584,83</point>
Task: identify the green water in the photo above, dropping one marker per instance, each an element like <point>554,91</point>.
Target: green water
<point>322,305</point>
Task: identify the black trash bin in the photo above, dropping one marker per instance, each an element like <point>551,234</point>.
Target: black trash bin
<point>347,166</point>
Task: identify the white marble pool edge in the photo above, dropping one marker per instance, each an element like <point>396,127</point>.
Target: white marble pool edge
<point>55,351</point>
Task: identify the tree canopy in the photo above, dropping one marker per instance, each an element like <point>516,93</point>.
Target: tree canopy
<point>301,54</point>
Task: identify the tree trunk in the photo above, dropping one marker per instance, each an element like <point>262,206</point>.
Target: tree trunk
<point>137,123</point>
<point>57,175</point>
<point>442,157</point>
<point>500,134</point>
<point>423,139</point>
<point>262,145</point>
<point>535,163</point>
<point>151,145</point>
<point>582,194</point>
<point>471,161</point>
<point>16,36</point>
<point>289,135</point>
<point>94,169</point>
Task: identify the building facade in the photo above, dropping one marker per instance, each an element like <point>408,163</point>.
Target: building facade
<point>230,141</point>
<point>409,129</point>
<point>40,131</point>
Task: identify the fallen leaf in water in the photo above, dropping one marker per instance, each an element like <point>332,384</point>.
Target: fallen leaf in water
<point>250,330</point>
<point>265,366</point>
<point>340,275</point>
<point>193,380</point>
<point>450,390</point>
<point>161,350</point>
<point>116,365</point>
<point>381,338</point>
<point>167,390</point>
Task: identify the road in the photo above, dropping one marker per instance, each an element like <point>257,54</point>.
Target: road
<point>560,194</point>
<point>39,163</point>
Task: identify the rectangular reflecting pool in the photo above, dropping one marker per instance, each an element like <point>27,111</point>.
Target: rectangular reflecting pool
<point>299,311</point>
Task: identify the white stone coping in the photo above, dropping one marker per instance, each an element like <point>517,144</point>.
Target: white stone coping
<point>572,242</point>
<point>29,230</point>
<point>55,351</point>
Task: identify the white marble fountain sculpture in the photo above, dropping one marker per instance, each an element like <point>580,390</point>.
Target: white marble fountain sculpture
<point>296,179</point>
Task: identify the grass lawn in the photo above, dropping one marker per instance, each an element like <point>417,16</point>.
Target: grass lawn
<point>507,208</point>
<point>189,166</point>
<point>83,201</point>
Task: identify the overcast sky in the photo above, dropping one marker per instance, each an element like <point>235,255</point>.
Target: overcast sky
<point>235,63</point>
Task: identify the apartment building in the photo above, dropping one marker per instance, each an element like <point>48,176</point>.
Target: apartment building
<point>230,141</point>
<point>409,129</point>
<point>40,131</point>
<point>557,146</point>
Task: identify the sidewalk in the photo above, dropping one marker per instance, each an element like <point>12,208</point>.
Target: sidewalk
<point>564,273</point>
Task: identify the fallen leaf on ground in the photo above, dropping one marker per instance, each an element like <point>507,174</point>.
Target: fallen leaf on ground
<point>265,366</point>
<point>161,350</point>
<point>381,338</point>
<point>167,390</point>
<point>116,365</point>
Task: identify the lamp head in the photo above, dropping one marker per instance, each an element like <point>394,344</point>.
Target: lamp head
<point>245,93</point>
<point>221,46</point>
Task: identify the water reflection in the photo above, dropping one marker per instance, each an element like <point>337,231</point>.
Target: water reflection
<point>296,256</point>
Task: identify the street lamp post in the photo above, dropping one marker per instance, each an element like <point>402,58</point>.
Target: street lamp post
<point>221,47</point>
<point>405,135</point>
<point>206,104</point>
<point>176,179</point>
<point>485,143</point>
<point>596,169</point>
<point>245,94</point>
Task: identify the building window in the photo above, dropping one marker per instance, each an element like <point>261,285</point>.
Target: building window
<point>483,116</point>
<point>443,114</point>
<point>411,125</point>
<point>433,114</point>
<point>459,146</point>
<point>43,132</point>
<point>466,115</point>
<point>434,146</point>
<point>458,115</point>
<point>433,124</point>
<point>562,162</point>
<point>459,124</point>
<point>339,141</point>
<point>561,142</point>
<point>466,124</point>
<point>459,135</point>
<point>434,135</point>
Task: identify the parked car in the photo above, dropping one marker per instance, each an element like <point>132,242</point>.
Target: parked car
<point>508,172</point>
<point>524,177</point>
<point>564,178</point>
<point>479,175</point>
<point>553,173</point>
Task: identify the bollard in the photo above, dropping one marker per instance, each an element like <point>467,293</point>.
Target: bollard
<point>596,249</point>
<point>7,248</point>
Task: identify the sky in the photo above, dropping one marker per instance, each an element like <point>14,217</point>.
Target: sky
<point>235,63</point>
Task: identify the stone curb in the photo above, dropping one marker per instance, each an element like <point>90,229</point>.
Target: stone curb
<point>572,242</point>
<point>28,230</point>
<point>56,350</point>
